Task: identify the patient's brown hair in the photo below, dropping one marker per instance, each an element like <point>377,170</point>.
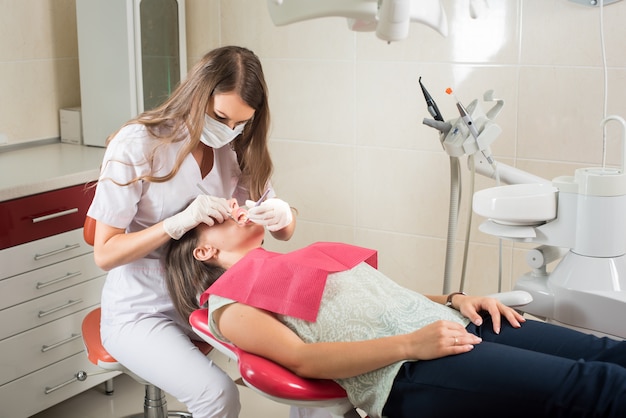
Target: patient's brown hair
<point>186,277</point>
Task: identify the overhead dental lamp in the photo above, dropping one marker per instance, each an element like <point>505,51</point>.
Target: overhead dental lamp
<point>390,19</point>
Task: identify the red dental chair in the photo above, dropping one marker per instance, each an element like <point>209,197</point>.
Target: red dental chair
<point>274,381</point>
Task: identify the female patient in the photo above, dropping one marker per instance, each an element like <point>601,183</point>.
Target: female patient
<point>325,312</point>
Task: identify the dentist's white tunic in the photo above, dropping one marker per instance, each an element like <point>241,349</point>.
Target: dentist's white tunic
<point>136,289</point>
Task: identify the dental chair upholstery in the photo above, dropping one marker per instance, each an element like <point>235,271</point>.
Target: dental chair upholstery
<point>155,404</point>
<point>274,381</point>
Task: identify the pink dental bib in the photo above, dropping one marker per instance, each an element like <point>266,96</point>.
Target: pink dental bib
<point>289,284</point>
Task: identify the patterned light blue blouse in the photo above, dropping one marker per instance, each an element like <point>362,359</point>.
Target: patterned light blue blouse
<point>361,304</point>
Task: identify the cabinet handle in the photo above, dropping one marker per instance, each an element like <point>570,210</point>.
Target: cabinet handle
<point>41,285</point>
<point>78,377</point>
<point>45,348</point>
<point>58,308</point>
<point>54,215</point>
<point>55,252</point>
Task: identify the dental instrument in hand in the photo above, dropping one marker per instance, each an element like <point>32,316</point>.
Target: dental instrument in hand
<point>206,192</point>
<point>247,220</point>
<point>469,122</point>
<point>262,198</point>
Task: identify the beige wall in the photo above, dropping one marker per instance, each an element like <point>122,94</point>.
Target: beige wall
<point>349,147</point>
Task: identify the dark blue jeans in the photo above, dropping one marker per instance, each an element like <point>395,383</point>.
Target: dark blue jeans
<point>539,370</point>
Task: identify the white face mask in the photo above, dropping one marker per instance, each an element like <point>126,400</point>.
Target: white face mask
<point>215,134</point>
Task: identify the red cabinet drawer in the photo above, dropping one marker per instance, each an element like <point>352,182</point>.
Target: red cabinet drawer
<point>38,216</point>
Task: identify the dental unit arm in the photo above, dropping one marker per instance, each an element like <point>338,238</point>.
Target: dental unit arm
<point>579,221</point>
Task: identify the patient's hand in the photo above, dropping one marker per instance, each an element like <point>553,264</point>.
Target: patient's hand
<point>440,339</point>
<point>470,306</point>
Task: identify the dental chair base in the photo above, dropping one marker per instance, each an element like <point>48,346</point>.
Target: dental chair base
<point>581,293</point>
<point>155,404</point>
<point>274,381</point>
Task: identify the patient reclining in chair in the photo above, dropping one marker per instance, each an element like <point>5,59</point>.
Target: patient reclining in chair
<point>325,311</point>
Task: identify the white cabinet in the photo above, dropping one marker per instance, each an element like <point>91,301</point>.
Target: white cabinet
<point>132,54</point>
<point>48,283</point>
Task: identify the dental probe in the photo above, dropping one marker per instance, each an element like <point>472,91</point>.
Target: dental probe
<point>206,192</point>
<point>262,198</point>
<point>469,122</point>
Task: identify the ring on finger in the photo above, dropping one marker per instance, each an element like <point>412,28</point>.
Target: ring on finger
<point>456,341</point>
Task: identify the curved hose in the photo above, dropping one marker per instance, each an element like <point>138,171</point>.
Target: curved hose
<point>453,217</point>
<point>469,223</point>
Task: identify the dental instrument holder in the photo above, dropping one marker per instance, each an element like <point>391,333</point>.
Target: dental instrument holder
<point>458,141</point>
<point>587,238</point>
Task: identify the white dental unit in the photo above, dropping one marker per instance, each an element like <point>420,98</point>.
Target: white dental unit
<point>579,219</point>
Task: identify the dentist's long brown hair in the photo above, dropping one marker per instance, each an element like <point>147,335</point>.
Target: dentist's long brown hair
<point>223,70</point>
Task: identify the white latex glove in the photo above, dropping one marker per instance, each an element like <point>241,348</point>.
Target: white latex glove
<point>204,208</point>
<point>274,214</point>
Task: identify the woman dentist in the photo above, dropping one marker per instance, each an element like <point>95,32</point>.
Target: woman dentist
<point>211,135</point>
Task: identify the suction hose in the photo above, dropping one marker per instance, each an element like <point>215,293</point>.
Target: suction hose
<point>453,218</point>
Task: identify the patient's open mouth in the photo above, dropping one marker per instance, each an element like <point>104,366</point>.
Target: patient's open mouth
<point>240,215</point>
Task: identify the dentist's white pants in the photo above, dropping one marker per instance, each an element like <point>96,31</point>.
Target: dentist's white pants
<point>159,350</point>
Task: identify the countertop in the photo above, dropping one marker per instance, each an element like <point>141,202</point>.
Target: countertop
<point>41,168</point>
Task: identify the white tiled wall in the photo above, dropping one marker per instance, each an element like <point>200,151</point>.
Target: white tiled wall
<point>348,144</point>
<point>38,66</point>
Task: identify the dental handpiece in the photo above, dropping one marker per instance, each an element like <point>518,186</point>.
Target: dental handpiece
<point>430,103</point>
<point>469,122</point>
